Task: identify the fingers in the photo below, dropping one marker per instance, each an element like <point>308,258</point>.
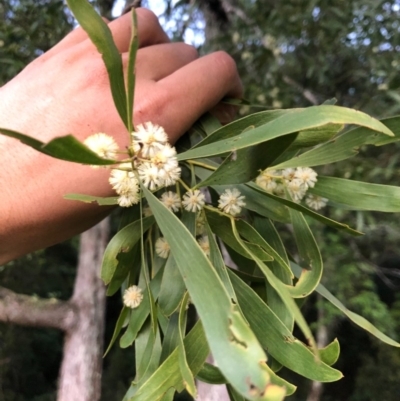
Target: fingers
<point>149,30</point>
<point>158,61</point>
<point>149,33</point>
<point>195,89</point>
<point>78,35</point>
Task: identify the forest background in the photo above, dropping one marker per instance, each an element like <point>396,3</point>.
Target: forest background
<point>295,53</point>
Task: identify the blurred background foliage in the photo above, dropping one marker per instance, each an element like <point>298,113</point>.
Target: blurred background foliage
<point>290,54</point>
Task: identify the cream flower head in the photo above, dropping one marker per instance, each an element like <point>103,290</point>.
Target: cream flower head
<point>193,201</point>
<point>162,248</point>
<point>133,297</point>
<point>231,201</point>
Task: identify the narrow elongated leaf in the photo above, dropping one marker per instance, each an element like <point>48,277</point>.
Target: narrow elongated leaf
<point>277,338</point>
<point>219,264</point>
<point>150,356</point>
<point>354,317</point>
<point>168,374</point>
<point>221,226</point>
<point>296,120</point>
<point>330,354</point>
<point>118,327</point>
<point>248,232</point>
<point>358,195</point>
<point>310,257</point>
<point>64,147</point>
<point>345,145</point>
<point>128,262</point>
<point>108,201</point>
<point>211,374</point>
<point>209,123</point>
<point>233,344</point>
<point>283,292</point>
<point>241,125</point>
<point>315,136</point>
<point>245,164</point>
<point>100,35</point>
<point>268,232</point>
<point>306,210</point>
<point>171,337</point>
<point>188,379</point>
<point>121,244</point>
<point>172,288</point>
<point>130,73</point>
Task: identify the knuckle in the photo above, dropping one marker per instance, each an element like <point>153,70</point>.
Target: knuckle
<point>226,63</point>
<point>151,107</point>
<point>148,15</point>
<point>191,51</point>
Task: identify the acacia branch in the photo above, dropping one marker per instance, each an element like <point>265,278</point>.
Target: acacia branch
<point>33,311</point>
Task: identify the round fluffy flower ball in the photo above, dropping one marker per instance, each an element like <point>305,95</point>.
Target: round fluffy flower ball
<point>133,297</point>
<point>316,202</point>
<point>151,137</point>
<point>162,248</point>
<point>231,201</point>
<point>103,145</point>
<point>193,201</point>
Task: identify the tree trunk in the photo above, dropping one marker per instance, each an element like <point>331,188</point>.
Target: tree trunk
<point>80,375</point>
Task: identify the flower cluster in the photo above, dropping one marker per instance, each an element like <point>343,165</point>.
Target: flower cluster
<point>294,181</point>
<point>152,160</point>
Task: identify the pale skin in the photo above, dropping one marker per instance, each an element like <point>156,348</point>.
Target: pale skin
<point>66,91</point>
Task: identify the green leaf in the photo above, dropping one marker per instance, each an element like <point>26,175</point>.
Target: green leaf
<point>171,337</point>
<point>121,246</point>
<point>354,317</point>
<point>330,354</point>
<point>233,344</point>
<point>100,35</point>
<point>251,234</point>
<point>243,124</point>
<point>282,291</point>
<point>357,195</point>
<point>310,257</point>
<point>118,327</point>
<point>280,342</point>
<point>217,261</point>
<point>187,376</point>
<point>148,357</point>
<point>296,120</point>
<point>209,123</point>
<point>245,164</point>
<point>128,262</point>
<point>315,136</point>
<point>211,374</point>
<point>112,200</point>
<point>344,146</point>
<point>267,230</point>
<point>64,147</point>
<point>168,374</point>
<point>130,72</point>
<point>306,211</point>
<point>172,288</point>
<point>220,225</point>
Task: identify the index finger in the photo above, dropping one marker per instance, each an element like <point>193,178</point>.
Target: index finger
<point>150,31</point>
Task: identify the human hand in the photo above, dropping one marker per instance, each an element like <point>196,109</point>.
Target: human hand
<point>67,91</point>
